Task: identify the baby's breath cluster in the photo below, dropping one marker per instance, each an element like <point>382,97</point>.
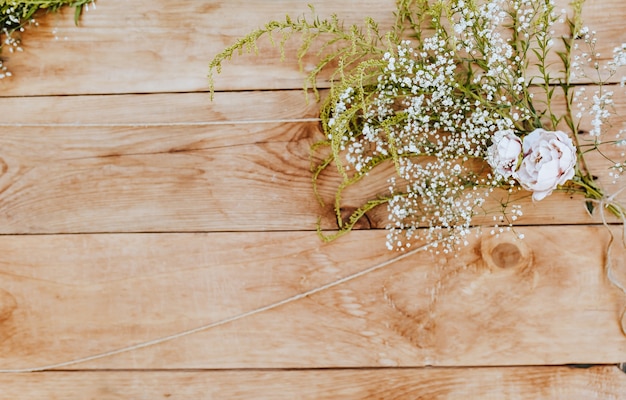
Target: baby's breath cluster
<point>420,117</point>
<point>431,107</point>
<point>16,15</point>
<point>458,98</point>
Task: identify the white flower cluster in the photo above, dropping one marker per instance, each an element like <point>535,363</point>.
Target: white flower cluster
<point>619,57</point>
<point>441,129</point>
<point>455,116</point>
<point>617,171</point>
<point>16,14</point>
<point>540,163</point>
<point>4,72</point>
<point>10,22</point>
<point>599,104</point>
<point>436,125</point>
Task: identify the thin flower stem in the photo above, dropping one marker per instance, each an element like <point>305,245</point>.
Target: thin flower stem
<point>437,107</point>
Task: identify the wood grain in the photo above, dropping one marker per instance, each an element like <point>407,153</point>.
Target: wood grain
<point>161,46</point>
<point>157,109</point>
<point>168,179</point>
<point>177,162</point>
<point>133,208</point>
<point>531,383</point>
<point>499,302</point>
<point>191,178</point>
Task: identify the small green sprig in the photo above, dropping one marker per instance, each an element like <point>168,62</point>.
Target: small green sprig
<point>341,46</point>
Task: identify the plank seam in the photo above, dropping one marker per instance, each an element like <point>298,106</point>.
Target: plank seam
<point>351,368</point>
<point>161,124</point>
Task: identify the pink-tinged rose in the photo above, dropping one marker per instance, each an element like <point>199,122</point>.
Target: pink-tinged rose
<point>549,160</point>
<point>504,153</point>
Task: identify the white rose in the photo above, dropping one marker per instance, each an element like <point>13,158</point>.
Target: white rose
<point>549,160</point>
<point>504,153</point>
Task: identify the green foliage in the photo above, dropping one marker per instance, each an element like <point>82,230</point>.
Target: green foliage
<point>354,53</point>
<point>15,15</point>
<point>340,46</point>
<point>380,111</point>
<point>25,9</point>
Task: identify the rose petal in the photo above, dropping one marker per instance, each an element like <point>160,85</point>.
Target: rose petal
<point>538,196</point>
<point>547,176</point>
<point>549,160</point>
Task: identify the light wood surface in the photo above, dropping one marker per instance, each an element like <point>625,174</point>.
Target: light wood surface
<point>499,302</point>
<point>239,164</point>
<point>532,383</point>
<point>135,212</point>
<point>148,46</point>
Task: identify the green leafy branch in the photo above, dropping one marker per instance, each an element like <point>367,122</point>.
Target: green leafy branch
<point>15,15</point>
<point>24,10</point>
<point>429,107</point>
<point>342,45</point>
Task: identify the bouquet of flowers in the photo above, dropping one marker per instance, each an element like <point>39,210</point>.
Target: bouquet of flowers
<point>459,96</point>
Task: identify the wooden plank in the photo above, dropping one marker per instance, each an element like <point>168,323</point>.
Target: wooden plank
<point>177,162</point>
<point>532,383</point>
<point>157,109</point>
<point>157,179</point>
<point>186,178</point>
<point>159,46</point>
<point>198,109</point>
<point>286,300</point>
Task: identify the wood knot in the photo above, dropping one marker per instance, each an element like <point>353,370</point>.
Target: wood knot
<point>7,305</point>
<point>505,252</point>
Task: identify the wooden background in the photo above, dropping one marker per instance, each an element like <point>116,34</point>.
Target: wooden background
<point>132,208</point>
